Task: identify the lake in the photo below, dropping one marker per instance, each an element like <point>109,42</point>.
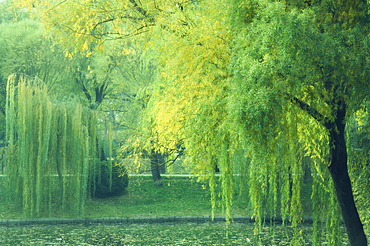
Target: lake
<point>214,233</point>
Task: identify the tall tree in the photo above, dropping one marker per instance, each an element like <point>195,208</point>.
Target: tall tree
<point>313,57</point>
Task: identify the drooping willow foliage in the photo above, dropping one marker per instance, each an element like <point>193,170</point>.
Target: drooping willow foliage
<point>51,149</point>
<point>235,117</point>
<point>359,156</point>
<point>283,172</point>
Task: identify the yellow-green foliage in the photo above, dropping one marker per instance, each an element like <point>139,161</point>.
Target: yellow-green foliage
<point>51,149</point>
<point>188,103</point>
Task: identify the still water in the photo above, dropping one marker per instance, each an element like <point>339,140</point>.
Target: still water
<point>153,234</point>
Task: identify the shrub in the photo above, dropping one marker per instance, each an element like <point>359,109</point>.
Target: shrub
<point>102,188</point>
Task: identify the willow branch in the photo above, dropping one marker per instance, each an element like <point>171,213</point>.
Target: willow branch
<point>138,8</point>
<point>54,7</point>
<point>322,119</point>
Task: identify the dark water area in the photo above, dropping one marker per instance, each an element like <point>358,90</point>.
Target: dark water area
<point>157,234</point>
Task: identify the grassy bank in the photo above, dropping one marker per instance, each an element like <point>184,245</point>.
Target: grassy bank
<point>178,196</point>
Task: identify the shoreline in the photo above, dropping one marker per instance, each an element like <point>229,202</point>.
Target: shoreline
<point>138,220</point>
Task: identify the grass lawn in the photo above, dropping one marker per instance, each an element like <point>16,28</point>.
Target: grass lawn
<point>178,196</point>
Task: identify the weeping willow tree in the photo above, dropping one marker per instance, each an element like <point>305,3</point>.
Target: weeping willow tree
<point>51,150</point>
<point>300,72</point>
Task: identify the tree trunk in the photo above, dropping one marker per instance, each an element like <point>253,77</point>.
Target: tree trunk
<point>339,172</point>
<point>155,161</point>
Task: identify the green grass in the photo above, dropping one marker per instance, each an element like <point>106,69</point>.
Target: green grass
<point>178,196</point>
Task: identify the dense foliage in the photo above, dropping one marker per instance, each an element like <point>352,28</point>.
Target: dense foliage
<point>51,149</point>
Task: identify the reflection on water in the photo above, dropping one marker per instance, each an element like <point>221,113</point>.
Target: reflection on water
<point>153,234</point>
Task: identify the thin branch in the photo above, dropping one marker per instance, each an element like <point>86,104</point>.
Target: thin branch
<point>166,164</point>
<point>325,121</point>
<point>113,19</point>
<point>138,31</point>
<point>51,9</point>
<point>84,89</point>
<point>138,8</point>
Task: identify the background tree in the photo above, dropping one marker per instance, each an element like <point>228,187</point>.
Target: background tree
<point>118,20</point>
<point>27,51</point>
